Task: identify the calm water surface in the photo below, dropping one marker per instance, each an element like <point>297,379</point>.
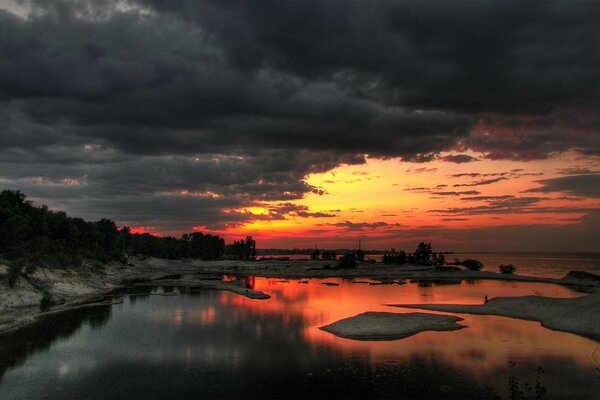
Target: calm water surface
<point>211,344</point>
<point>552,265</point>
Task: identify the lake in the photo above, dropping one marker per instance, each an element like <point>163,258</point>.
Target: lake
<point>167,343</point>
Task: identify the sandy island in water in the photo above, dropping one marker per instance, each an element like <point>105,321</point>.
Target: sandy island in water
<point>578,315</point>
<point>391,326</point>
<point>19,306</point>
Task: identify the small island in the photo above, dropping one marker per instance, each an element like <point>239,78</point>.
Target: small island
<point>391,326</point>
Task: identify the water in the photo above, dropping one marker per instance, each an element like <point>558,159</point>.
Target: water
<point>551,265</point>
<point>211,344</point>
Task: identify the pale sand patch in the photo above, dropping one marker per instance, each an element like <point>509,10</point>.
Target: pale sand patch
<point>576,315</point>
<point>391,326</point>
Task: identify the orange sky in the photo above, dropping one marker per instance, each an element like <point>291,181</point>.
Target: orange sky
<point>389,203</point>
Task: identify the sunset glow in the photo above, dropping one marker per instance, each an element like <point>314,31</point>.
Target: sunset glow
<point>389,203</point>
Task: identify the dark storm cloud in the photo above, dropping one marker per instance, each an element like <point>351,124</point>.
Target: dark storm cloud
<point>512,205</point>
<point>297,210</point>
<point>459,158</point>
<point>586,185</point>
<point>455,193</point>
<point>361,226</point>
<point>480,183</point>
<point>103,103</point>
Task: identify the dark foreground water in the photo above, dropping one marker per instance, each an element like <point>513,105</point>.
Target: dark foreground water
<point>212,344</point>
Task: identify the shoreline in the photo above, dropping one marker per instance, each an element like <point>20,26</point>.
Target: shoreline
<point>70,289</point>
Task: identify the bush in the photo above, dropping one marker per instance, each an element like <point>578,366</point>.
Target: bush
<point>347,261</point>
<point>47,300</point>
<point>439,260</point>
<point>14,271</point>
<point>507,268</point>
<point>473,265</point>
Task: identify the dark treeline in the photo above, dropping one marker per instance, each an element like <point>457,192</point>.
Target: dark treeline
<point>423,255</point>
<point>32,236</point>
<point>310,251</point>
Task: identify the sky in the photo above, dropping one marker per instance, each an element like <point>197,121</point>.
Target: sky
<point>471,125</point>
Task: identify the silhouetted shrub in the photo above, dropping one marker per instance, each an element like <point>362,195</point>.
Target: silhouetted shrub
<point>243,249</point>
<point>507,268</point>
<point>439,260</point>
<point>14,271</point>
<point>473,265</point>
<point>47,300</point>
<point>347,261</point>
<point>328,255</point>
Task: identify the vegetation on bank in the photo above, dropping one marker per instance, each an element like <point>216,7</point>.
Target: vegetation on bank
<point>32,236</point>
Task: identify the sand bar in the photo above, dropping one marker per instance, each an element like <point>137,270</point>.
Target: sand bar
<point>391,326</point>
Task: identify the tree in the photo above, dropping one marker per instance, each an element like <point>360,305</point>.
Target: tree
<point>244,249</point>
<point>423,253</point>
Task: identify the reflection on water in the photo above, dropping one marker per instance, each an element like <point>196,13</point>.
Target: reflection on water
<point>216,344</point>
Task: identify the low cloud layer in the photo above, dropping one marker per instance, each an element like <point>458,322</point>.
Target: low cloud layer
<point>584,185</point>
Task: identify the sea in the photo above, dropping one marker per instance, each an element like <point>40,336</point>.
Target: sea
<point>551,265</point>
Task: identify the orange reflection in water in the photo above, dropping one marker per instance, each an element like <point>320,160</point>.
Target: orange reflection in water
<point>487,343</point>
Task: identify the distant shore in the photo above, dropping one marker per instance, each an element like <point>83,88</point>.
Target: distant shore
<point>20,306</point>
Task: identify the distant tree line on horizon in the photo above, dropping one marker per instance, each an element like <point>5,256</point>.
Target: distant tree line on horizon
<point>32,236</point>
<point>423,255</point>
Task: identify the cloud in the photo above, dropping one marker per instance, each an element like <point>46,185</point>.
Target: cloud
<point>133,105</point>
<point>585,185</point>
<point>497,205</point>
<point>297,210</point>
<point>459,158</point>
<point>480,183</point>
<point>361,226</point>
<point>454,193</point>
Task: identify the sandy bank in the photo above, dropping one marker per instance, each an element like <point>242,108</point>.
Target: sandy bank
<point>575,315</point>
<point>391,326</point>
<point>85,285</point>
<point>300,269</point>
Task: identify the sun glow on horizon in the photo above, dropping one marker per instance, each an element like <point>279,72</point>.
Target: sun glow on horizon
<point>384,200</point>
